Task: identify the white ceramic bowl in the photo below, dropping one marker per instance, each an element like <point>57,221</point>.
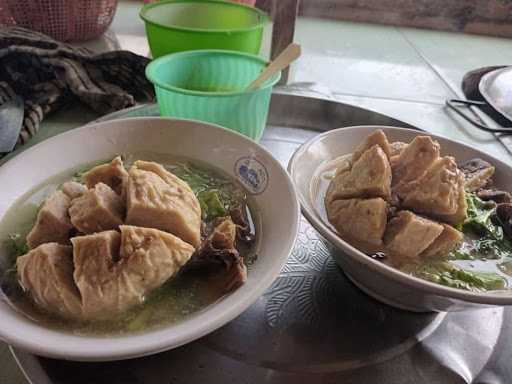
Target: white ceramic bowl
<point>273,192</point>
<point>385,283</point>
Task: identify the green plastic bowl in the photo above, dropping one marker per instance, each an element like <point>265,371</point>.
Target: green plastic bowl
<point>209,85</point>
<point>184,25</point>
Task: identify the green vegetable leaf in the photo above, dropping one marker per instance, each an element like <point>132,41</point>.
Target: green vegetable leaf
<point>17,244</point>
<point>451,276</point>
<point>490,242</point>
<point>78,176</point>
<point>211,205</point>
<point>461,254</point>
<point>217,195</point>
<point>479,280</point>
<point>479,215</point>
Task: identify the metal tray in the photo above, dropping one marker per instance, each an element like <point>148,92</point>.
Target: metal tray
<point>312,325</point>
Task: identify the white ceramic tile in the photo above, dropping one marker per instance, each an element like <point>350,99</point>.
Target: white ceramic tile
<point>435,119</point>
<point>365,60</point>
<point>454,54</point>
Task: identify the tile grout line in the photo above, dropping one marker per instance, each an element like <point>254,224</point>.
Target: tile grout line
<point>387,98</point>
<point>457,93</point>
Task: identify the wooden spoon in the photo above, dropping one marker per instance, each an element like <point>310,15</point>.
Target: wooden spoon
<point>285,58</point>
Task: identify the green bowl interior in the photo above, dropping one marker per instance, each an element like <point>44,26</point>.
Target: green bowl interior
<point>207,72</point>
<point>202,15</point>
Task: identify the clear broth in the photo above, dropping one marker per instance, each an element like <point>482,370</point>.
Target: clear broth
<point>182,296</point>
<point>321,180</point>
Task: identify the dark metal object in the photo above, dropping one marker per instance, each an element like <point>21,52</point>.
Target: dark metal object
<point>455,104</point>
<point>495,89</point>
<point>313,325</point>
<point>11,120</point>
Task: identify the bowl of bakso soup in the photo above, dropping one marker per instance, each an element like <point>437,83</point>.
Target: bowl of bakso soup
<point>126,238</point>
<point>421,222</point>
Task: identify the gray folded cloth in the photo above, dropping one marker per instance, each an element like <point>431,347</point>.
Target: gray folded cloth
<point>48,74</point>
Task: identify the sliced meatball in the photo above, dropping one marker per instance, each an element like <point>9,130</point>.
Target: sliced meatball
<point>98,209</point>
<point>113,174</point>
<point>158,199</point>
<point>52,223</point>
<point>408,235</point>
<point>360,220</point>
<point>370,176</point>
<point>46,272</point>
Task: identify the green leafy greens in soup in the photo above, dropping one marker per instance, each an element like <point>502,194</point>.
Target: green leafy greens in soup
<point>445,273</point>
<point>186,228</point>
<point>480,262</point>
<point>217,195</point>
<point>484,238</point>
<point>423,213</point>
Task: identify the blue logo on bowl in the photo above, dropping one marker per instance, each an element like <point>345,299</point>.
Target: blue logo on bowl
<point>252,174</point>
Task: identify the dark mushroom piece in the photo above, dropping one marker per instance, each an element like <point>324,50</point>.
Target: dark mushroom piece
<point>477,173</point>
<point>495,195</point>
<point>218,250</point>
<point>504,213</point>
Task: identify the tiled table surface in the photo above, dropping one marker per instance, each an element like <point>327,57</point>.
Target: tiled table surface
<point>402,72</point>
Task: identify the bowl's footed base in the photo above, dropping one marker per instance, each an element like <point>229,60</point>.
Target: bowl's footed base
<point>387,301</point>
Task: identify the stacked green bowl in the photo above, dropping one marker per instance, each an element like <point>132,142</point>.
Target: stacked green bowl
<point>211,86</point>
<point>183,25</point>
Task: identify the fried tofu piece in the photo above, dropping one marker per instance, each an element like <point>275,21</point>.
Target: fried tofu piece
<point>446,242</point>
<point>439,192</point>
<point>362,220</point>
<point>375,138</point>
<point>52,224</point>
<point>158,199</point>
<point>46,273</point>
<point>224,234</point>
<point>414,160</point>
<point>117,271</point>
<point>408,235</point>
<point>370,176</point>
<point>112,174</point>
<point>462,209</point>
<point>98,209</point>
<point>72,189</point>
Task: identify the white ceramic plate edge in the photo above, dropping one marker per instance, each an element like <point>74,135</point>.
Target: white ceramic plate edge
<point>96,349</point>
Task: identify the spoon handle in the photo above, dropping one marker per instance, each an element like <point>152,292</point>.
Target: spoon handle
<point>285,58</point>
